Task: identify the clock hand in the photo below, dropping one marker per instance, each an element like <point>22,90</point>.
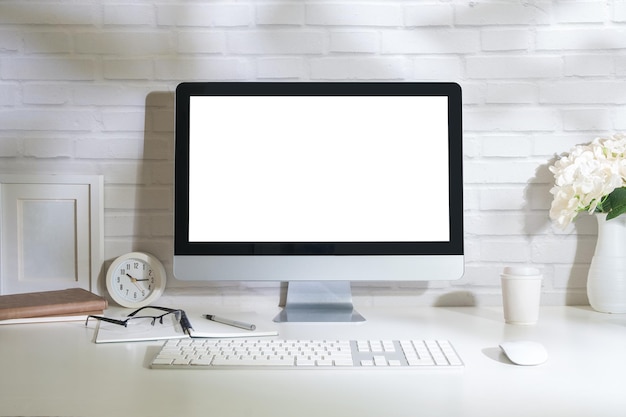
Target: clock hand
<point>135,279</point>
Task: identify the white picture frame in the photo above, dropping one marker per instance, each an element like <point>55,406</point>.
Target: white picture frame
<point>51,232</point>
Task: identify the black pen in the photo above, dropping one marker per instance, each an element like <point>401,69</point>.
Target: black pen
<point>185,323</point>
<point>229,322</point>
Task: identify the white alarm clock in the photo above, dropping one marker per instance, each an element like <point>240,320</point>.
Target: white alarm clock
<point>135,279</point>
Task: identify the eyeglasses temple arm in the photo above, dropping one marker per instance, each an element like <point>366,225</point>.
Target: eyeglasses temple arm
<point>169,310</point>
<point>109,320</point>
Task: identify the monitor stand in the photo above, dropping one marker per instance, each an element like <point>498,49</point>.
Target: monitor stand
<point>319,301</point>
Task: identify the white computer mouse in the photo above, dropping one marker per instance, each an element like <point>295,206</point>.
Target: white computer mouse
<point>523,352</point>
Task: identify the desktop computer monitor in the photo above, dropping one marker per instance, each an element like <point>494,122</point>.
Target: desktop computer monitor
<point>318,184</point>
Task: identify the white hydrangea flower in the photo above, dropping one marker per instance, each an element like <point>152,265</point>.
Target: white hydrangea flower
<point>584,177</point>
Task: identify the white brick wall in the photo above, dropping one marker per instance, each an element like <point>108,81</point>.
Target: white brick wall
<point>88,89</point>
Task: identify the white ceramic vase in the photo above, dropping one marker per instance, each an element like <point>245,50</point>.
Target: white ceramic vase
<point>606,282</point>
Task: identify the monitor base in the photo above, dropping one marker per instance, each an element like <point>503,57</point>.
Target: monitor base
<point>319,301</point>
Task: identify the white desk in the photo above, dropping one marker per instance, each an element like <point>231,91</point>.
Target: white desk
<point>55,369</point>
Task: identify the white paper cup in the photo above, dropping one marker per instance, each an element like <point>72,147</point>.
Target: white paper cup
<point>521,294</point>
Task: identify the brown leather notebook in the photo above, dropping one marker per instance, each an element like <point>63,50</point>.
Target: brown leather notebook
<point>50,303</point>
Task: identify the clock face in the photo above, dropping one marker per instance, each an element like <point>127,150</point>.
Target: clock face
<point>135,280</point>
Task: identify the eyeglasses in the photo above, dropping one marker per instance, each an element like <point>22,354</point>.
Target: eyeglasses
<point>178,314</point>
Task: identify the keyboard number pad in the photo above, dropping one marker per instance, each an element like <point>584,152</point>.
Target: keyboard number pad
<point>378,353</point>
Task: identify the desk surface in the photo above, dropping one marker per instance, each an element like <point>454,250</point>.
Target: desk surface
<point>56,369</point>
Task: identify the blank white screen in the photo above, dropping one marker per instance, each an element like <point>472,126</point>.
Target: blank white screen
<point>318,169</point>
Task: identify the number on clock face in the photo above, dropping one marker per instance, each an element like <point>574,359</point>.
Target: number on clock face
<point>134,280</point>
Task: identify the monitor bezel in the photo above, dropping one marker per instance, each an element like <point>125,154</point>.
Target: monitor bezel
<point>184,247</point>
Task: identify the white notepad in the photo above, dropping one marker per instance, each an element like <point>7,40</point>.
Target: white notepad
<point>171,329</point>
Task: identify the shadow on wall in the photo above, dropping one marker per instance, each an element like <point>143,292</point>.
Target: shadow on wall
<point>154,199</point>
<point>538,202</point>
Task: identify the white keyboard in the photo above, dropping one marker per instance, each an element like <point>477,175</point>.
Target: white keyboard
<point>306,354</point>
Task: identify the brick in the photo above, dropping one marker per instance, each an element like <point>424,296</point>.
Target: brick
<point>202,15</point>
<point>130,197</point>
<point>129,14</point>
<point>505,119</point>
<point>565,251</point>
<point>161,120</point>
<point>538,196</point>
<point>585,65</point>
<point>9,148</point>
<point>581,39</point>
<point>506,146</point>
<point>473,91</point>
<point>47,120</point>
<point>201,42</point>
<point>354,14</point>
<point>203,69</point>
<point>577,120</point>
<point>358,68</point>
<point>122,43</point>
<point>555,144</point>
<point>280,14</point>
<point>46,13</point>
<point>506,39</point>
<point>159,147</point>
<point>495,224</point>
<point>10,41</point>
<point>619,11</point>
<point>47,42</point>
<point>109,148</point>
<point>620,65</point>
<point>275,42</point>
<point>160,99</point>
<point>570,276</point>
<point>428,15</point>
<point>8,94</point>
<point>39,93</point>
<point>354,42</point>
<point>68,69</point>
<point>121,225</point>
<point>159,172</point>
<point>619,119</point>
<point>502,198</point>
<point>471,197</point>
<point>161,225</point>
<point>430,41</point>
<point>437,69</point>
<point>49,148</point>
<point>109,95</point>
<point>121,121</point>
<point>580,12</point>
<point>503,13</point>
<point>501,172</point>
<point>128,69</point>
<point>504,251</point>
<point>135,225</point>
<point>280,67</point>
<point>507,67</point>
<point>583,92</point>
<point>472,145</point>
<point>512,93</point>
<point>120,171</point>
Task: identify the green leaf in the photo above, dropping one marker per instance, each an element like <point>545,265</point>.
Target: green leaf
<point>617,203</point>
